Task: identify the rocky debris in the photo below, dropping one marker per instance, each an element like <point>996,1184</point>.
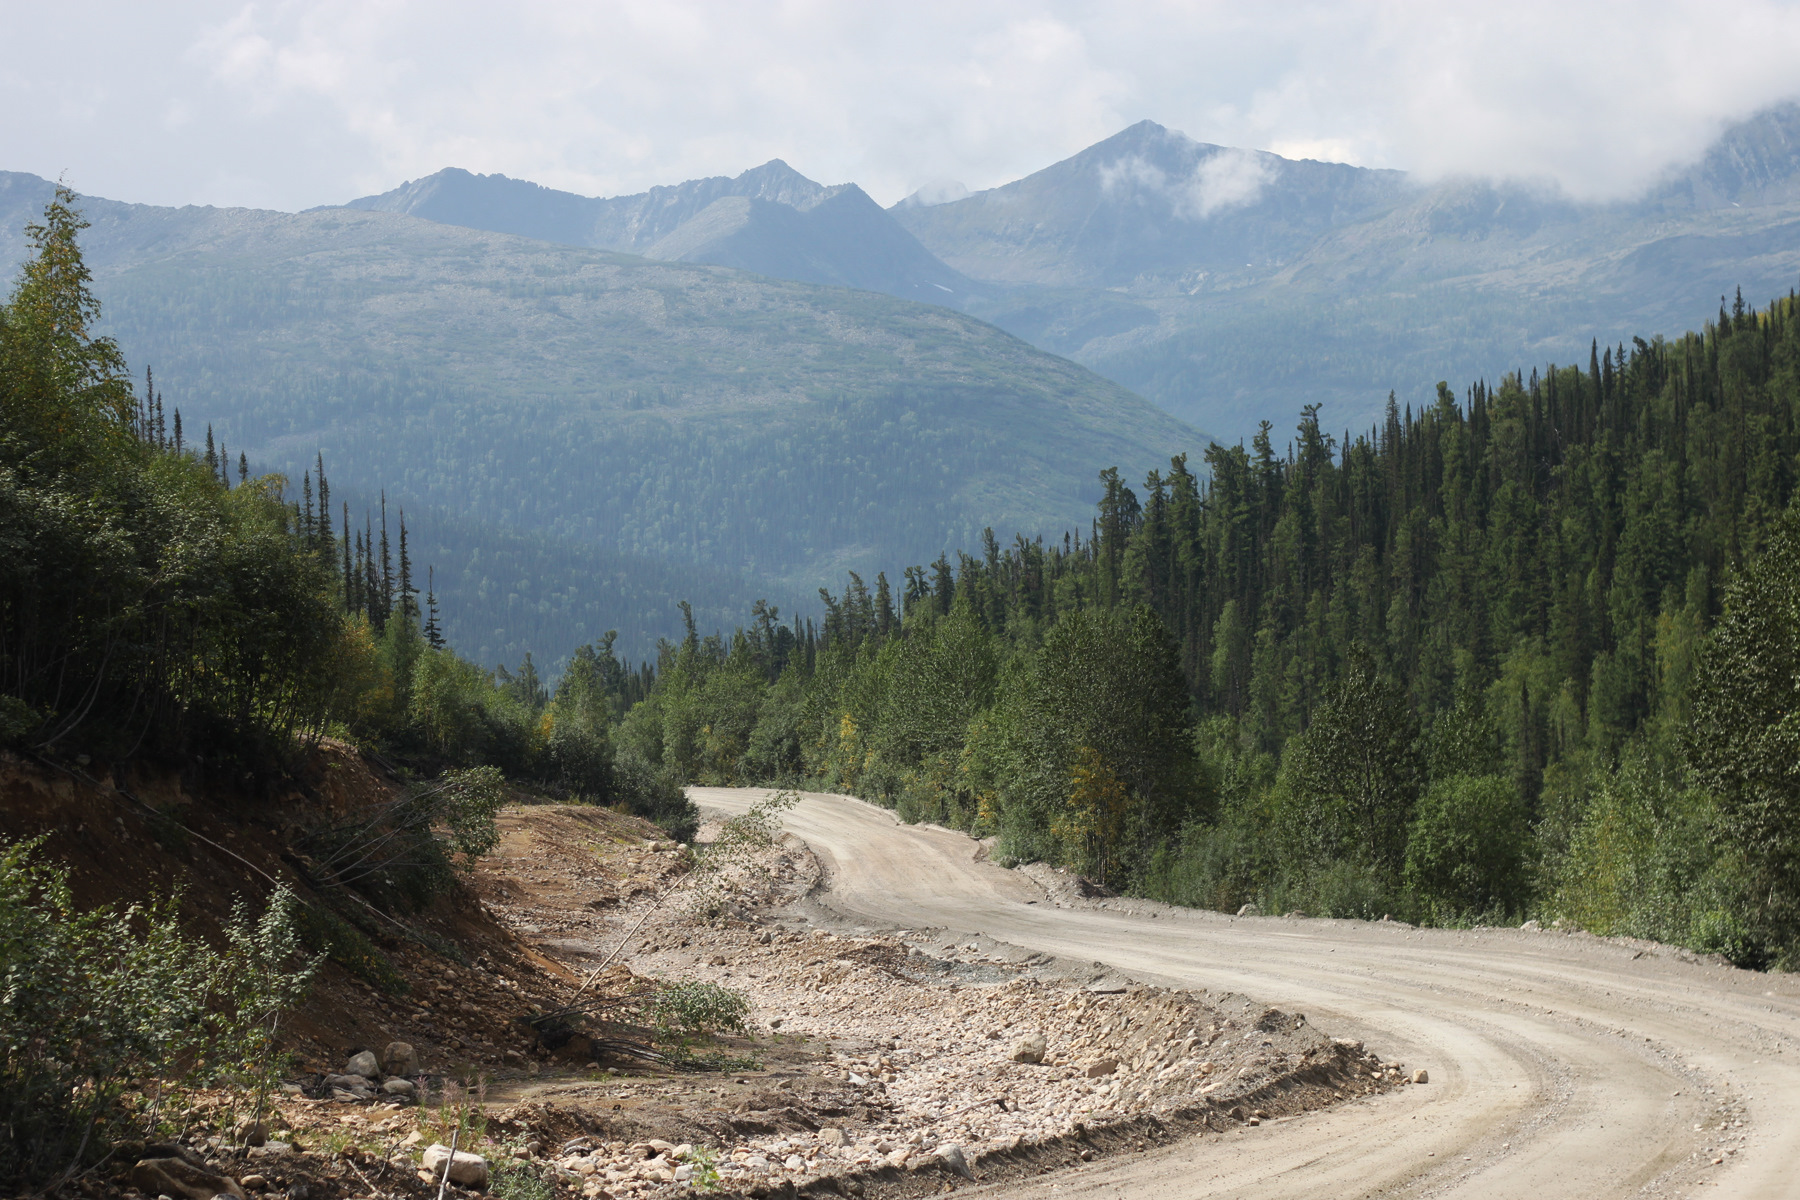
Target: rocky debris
<point>466,1169</point>
<point>177,1177</point>
<point>1029,1049</point>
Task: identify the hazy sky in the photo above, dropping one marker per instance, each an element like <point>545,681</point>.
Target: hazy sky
<point>287,105</point>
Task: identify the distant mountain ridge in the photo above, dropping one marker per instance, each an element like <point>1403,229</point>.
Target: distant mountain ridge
<point>770,219</point>
<point>1231,286</point>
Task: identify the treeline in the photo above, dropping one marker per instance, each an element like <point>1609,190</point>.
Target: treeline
<point>1472,664</point>
<point>149,604</point>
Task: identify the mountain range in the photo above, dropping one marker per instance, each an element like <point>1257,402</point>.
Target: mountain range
<point>1229,286</point>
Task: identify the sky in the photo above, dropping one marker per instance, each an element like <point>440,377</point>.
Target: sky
<point>290,105</point>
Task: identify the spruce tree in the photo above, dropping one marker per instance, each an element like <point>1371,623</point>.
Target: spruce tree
<point>433,630</point>
<point>408,607</point>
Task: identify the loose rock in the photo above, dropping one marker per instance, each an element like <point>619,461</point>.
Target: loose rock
<point>1104,1066</point>
<point>363,1063</point>
<point>953,1158</point>
<point>1030,1049</point>
<point>1421,1076</point>
<point>466,1170</point>
<point>178,1178</point>
<point>399,1058</point>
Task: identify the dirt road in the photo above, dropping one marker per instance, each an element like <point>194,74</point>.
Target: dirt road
<point>1560,1065</point>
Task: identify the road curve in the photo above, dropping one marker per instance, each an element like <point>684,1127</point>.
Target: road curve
<point>1560,1065</point>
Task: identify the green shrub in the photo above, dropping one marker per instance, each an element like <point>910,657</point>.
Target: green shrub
<point>89,1000</point>
<point>1466,849</point>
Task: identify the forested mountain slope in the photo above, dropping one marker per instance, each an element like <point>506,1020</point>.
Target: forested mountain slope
<point>767,434</point>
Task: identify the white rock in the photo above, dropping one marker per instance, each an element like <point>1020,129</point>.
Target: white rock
<point>1421,1076</point>
<point>952,1155</point>
<point>466,1170</point>
<point>1030,1049</point>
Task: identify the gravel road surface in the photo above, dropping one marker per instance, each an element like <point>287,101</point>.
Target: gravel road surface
<point>1560,1064</point>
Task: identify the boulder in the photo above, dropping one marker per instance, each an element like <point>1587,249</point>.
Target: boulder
<point>363,1063</point>
<point>399,1058</point>
<point>1030,1049</point>
<point>183,1180</point>
<point>466,1170</point>
<point>400,1087</point>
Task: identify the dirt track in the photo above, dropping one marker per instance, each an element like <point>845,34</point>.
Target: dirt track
<point>1560,1065</point>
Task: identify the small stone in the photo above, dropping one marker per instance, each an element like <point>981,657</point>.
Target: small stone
<point>399,1058</point>
<point>953,1157</point>
<point>363,1063</point>
<point>1030,1049</point>
<point>466,1170</point>
<point>1421,1076</point>
<point>898,1158</point>
<point>717,960</point>
<point>833,1137</point>
<point>400,1087</point>
<point>254,1183</point>
<point>795,1163</point>
<point>1101,1066</point>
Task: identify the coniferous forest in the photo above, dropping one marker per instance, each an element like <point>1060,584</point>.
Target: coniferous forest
<point>1529,653</point>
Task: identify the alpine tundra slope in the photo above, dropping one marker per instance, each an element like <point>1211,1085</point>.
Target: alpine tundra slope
<point>1560,1064</point>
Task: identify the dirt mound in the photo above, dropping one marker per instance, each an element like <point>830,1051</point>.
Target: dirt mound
<point>450,980</point>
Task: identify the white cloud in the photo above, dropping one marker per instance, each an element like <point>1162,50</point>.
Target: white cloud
<point>1225,180</point>
<point>290,103</point>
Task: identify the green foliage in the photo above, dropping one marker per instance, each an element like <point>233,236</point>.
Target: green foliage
<point>1745,738</point>
<point>1643,862</point>
<point>522,1181</point>
<point>690,1013</point>
<point>90,1000</point>
<point>1353,776</point>
<point>1466,851</point>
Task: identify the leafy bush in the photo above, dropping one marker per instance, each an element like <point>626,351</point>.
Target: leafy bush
<point>690,1011</point>
<point>650,793</point>
<point>89,1000</point>
<point>1466,851</point>
<point>402,852</point>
